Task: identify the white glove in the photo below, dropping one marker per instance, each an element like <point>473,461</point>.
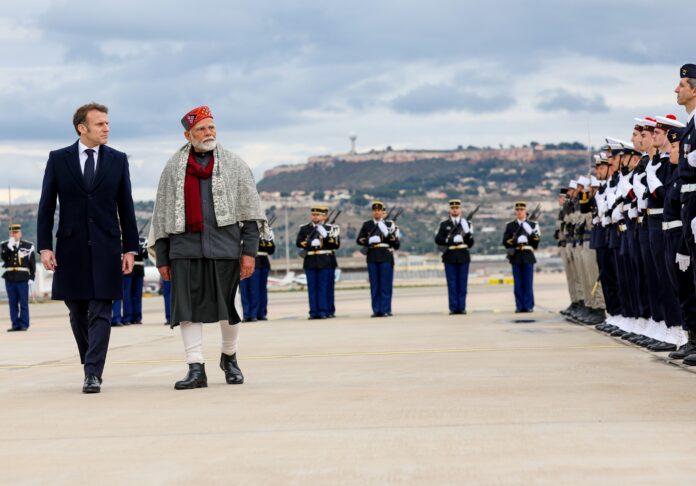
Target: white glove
<point>606,221</point>
<point>458,239</point>
<point>374,239</point>
<point>595,220</point>
<point>465,226</point>
<point>11,243</point>
<point>633,213</point>
<point>683,261</point>
<point>321,231</point>
<point>522,240</point>
<point>691,159</point>
<point>527,228</point>
<point>693,227</point>
<point>653,181</point>
<point>383,228</point>
<point>315,242</point>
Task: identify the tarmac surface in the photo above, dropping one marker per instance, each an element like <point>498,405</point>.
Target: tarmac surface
<point>418,398</point>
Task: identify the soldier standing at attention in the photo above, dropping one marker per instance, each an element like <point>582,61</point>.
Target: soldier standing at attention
<point>318,245</point>
<point>379,238</point>
<point>19,262</point>
<point>254,290</point>
<point>455,237</point>
<point>521,238</point>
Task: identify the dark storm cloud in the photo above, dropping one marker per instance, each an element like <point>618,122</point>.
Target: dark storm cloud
<point>563,100</point>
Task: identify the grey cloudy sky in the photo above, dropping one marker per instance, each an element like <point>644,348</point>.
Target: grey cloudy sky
<point>286,80</point>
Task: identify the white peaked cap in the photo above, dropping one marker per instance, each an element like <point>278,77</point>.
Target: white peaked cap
<point>583,181</point>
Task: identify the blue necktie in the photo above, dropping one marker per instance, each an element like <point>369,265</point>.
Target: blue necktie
<point>89,168</point>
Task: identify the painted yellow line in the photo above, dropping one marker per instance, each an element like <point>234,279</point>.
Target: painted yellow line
<point>338,355</point>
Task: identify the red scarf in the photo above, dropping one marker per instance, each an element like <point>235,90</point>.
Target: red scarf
<point>192,192</point>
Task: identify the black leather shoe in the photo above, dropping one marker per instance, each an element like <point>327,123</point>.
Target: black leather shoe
<point>116,324</point>
<point>92,384</point>
<point>16,329</point>
<point>250,319</point>
<point>662,347</point>
<point>135,322</point>
<point>377,315</point>
<point>683,351</point>
<point>195,378</point>
<point>618,332</point>
<point>690,360</point>
<point>228,364</point>
<point>263,318</point>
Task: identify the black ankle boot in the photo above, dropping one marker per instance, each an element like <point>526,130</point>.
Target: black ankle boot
<point>228,364</point>
<point>687,349</point>
<point>195,378</point>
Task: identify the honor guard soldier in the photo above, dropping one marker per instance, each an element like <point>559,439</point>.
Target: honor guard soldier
<point>380,238</point>
<point>455,237</point>
<point>335,233</point>
<point>254,290</point>
<point>521,238</point>
<point>317,246</point>
<point>133,287</point>
<point>19,262</point>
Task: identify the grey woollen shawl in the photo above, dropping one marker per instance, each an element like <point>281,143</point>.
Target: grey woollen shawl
<point>235,197</point>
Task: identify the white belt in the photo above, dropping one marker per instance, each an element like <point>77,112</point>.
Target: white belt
<point>140,264</point>
<point>380,245</point>
<point>17,269</point>
<point>458,247</point>
<point>261,253</point>
<point>525,247</point>
<point>319,252</point>
<point>652,211</point>
<point>688,188</point>
<point>671,224</point>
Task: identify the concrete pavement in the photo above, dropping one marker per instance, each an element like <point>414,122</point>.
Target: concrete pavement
<point>419,398</point>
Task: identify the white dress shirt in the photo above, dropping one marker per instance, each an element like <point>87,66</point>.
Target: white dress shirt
<point>83,156</point>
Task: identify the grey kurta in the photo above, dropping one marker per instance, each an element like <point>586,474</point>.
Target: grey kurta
<point>205,266</point>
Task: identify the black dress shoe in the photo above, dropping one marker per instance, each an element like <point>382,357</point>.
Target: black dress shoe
<point>92,384</point>
<point>618,332</point>
<point>377,315</point>
<point>683,351</point>
<point>264,318</point>
<point>228,364</point>
<point>331,316</point>
<point>662,347</point>
<point>135,322</point>
<point>250,319</point>
<point>167,323</point>
<point>16,329</point>
<point>195,378</point>
<point>690,360</point>
<point>116,324</point>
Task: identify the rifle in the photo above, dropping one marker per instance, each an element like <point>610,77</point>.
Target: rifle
<point>272,221</point>
<point>533,217</point>
<point>335,216</point>
<point>456,230</point>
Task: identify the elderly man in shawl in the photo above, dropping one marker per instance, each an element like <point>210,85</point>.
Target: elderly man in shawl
<point>205,233</point>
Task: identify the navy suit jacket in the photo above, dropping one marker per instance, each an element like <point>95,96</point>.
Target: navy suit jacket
<point>95,225</point>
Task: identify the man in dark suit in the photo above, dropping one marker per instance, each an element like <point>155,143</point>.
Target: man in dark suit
<point>521,238</point>
<point>92,184</point>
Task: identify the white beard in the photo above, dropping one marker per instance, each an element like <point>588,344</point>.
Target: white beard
<point>205,146</point>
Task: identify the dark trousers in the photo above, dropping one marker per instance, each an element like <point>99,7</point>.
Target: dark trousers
<point>317,291</point>
<point>132,298</point>
<point>681,282</point>
<point>607,275</point>
<point>254,292</point>
<point>116,314</point>
<point>523,276</point>
<point>167,296</point>
<point>381,284</point>
<point>332,292</point>
<point>457,280</point>
<point>667,297</point>
<point>91,325</point>
<point>18,295</point>
<point>650,283</point>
